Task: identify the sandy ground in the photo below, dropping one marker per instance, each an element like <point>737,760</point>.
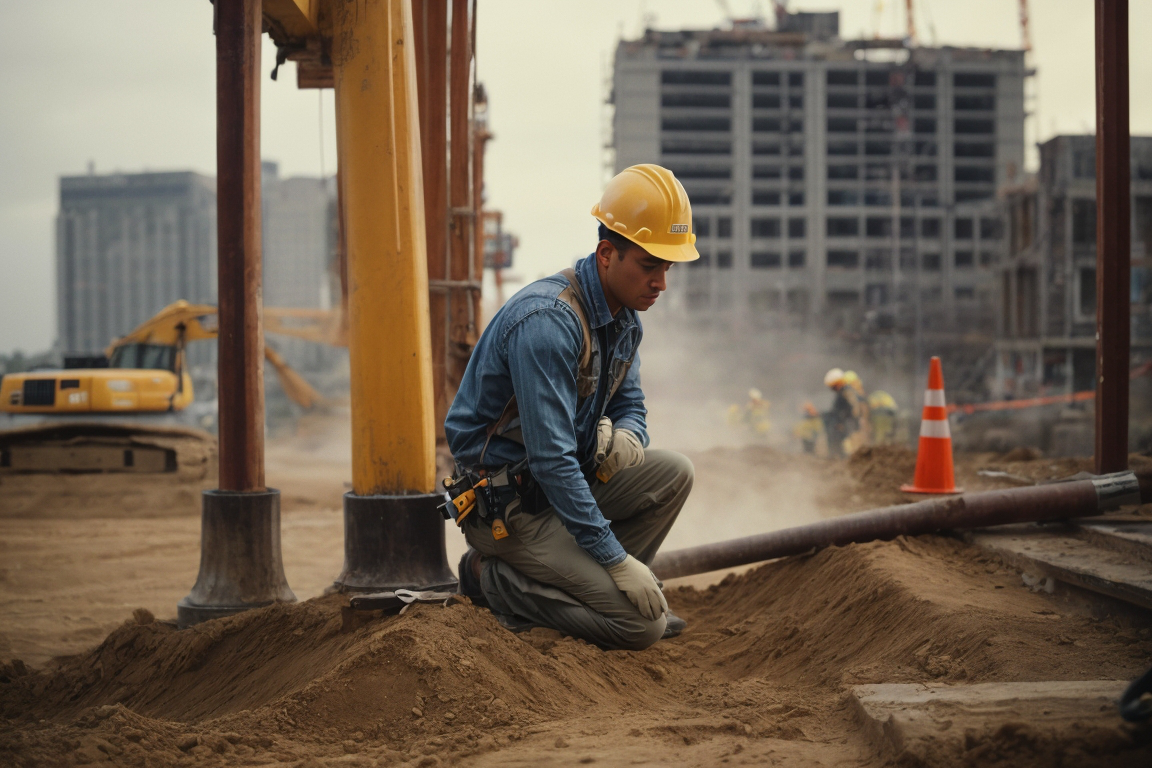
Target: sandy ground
<point>760,677</point>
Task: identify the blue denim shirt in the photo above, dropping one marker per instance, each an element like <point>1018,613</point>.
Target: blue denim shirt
<point>532,348</point>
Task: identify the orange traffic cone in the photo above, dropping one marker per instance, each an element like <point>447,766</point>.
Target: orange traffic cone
<point>934,473</point>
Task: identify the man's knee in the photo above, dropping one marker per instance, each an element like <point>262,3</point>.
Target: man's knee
<point>676,467</point>
<point>637,633</point>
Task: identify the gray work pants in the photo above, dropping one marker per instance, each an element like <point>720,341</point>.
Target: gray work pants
<point>539,572</point>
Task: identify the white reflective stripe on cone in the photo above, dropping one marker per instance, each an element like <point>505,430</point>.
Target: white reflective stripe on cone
<point>930,428</point>
<point>934,397</point>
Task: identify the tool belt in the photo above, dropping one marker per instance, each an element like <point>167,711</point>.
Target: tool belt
<point>487,496</point>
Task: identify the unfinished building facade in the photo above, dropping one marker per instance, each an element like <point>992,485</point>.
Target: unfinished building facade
<point>829,178</point>
<point>1046,336</point>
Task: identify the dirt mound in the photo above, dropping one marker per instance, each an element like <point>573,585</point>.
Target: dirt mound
<point>764,668</point>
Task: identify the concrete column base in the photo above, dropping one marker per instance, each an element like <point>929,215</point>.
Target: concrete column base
<point>241,566</point>
<point>393,542</point>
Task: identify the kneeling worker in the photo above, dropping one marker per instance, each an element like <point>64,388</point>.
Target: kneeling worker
<point>549,429</point>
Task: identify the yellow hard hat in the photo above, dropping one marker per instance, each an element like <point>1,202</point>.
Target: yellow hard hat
<point>647,205</point>
<point>834,378</point>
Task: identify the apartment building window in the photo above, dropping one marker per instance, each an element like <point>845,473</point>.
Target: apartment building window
<point>1086,293</point>
<point>981,102</point>
<point>930,229</point>
<point>877,148</point>
<point>877,197</point>
<point>795,258</point>
<point>796,101</point>
<point>922,79</point>
<point>701,171</point>
<point>695,77</point>
<point>765,259</point>
<point>724,227</point>
<point>724,260</point>
<point>765,148</point>
<point>962,229</point>
<point>709,100</point>
<point>981,173</point>
<point>766,125</point>
<point>973,149</point>
<point>695,147</point>
<point>843,197</point>
<point>796,172</point>
<point>843,101</point>
<point>765,227</point>
<point>965,293</point>
<point>907,227</point>
<point>702,124</point>
<point>795,79</point>
<point>765,101</point>
<point>796,199</point>
<point>765,171</point>
<point>709,196</point>
<point>842,227</point>
<point>973,125</point>
<point>907,259</point>
<point>702,227</point>
<point>843,148</point>
<point>766,78</point>
<point>924,173</point>
<point>963,196</point>
<point>878,226</point>
<point>765,197</point>
<point>840,172</point>
<point>1084,221</point>
<point>974,80</point>
<point>926,101</point>
<point>841,125</point>
<point>843,77</point>
<point>987,258</point>
<point>877,77</point>
<point>925,125</point>
<point>991,229</point>
<point>704,260</point>
<point>796,227</point>
<point>795,126</point>
<point>877,259</point>
<point>843,259</point>
<point>930,262</point>
<point>963,259</point>
<point>925,149</point>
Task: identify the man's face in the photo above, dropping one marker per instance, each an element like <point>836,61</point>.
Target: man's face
<point>635,281</point>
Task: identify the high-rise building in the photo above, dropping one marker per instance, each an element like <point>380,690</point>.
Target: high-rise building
<point>828,177</point>
<point>127,245</point>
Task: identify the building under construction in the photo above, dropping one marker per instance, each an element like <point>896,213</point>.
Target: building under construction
<point>812,161</point>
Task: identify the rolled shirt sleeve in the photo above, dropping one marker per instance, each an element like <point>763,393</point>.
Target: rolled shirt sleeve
<point>542,352</point>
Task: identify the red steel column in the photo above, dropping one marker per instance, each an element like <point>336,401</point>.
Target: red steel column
<point>241,343</point>
<point>1113,236</point>
<point>430,21</point>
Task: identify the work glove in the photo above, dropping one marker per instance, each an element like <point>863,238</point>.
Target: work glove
<point>616,449</point>
<point>636,581</point>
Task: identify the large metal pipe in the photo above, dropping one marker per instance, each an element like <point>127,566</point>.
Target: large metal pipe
<point>1113,236</point>
<point>1058,501</point>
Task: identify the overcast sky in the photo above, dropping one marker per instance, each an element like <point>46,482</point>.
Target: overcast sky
<point>129,86</point>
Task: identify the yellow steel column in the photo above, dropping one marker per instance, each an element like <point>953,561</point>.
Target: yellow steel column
<point>393,439</point>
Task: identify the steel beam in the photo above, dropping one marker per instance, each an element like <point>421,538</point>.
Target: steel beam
<point>241,341</point>
<point>1113,236</point>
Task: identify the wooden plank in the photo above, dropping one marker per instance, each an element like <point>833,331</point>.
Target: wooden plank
<point>1076,561</point>
<point>1025,723</point>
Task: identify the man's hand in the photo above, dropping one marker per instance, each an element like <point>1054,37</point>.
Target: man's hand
<point>616,449</point>
<point>638,584</point>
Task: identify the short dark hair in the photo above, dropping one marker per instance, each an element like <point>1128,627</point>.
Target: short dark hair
<point>619,242</point>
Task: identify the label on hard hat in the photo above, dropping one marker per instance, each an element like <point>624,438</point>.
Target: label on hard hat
<point>1117,489</point>
<point>679,229</point>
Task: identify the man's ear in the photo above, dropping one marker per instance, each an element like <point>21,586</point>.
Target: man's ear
<point>605,252</point>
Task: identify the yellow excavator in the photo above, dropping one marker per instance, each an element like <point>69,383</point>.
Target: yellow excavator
<point>89,418</point>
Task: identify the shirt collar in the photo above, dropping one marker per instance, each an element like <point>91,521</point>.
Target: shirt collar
<point>589,279</point>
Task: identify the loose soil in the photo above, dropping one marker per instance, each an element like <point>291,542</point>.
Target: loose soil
<point>762,675</point>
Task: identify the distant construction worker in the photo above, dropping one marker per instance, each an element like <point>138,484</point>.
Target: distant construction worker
<point>882,412</point>
<point>863,434</point>
<point>753,415</point>
<point>808,429</point>
<point>549,426</point>
<point>843,420</point>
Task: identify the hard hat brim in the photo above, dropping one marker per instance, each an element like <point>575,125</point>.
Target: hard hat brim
<point>685,252</point>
